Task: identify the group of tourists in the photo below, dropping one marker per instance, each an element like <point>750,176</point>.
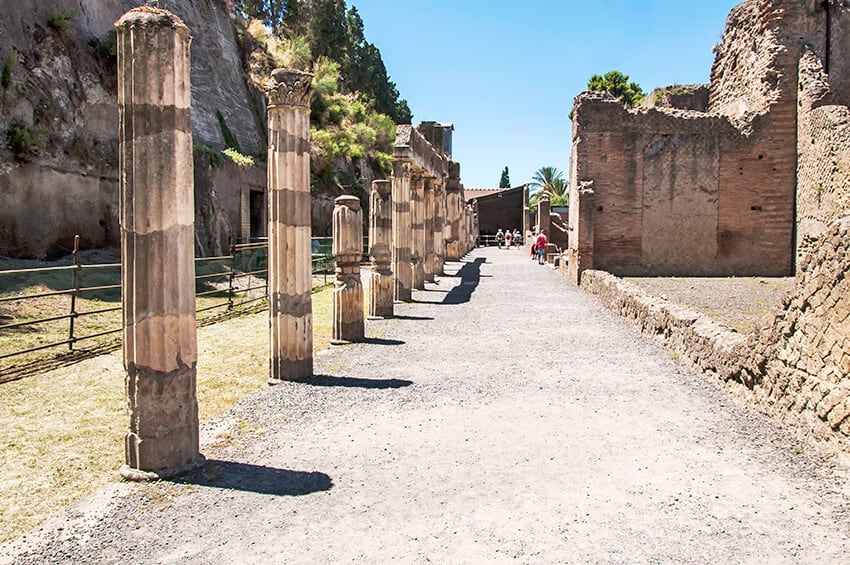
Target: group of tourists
<point>507,238</point>
<point>538,247</point>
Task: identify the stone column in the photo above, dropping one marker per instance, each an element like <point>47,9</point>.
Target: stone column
<point>380,251</point>
<point>157,244</point>
<point>348,290</point>
<point>454,212</point>
<point>543,215</point>
<point>290,274</point>
<point>439,227</point>
<point>428,234</point>
<point>417,225</point>
<point>401,230</point>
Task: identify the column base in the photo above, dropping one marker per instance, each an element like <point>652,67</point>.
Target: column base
<point>138,475</point>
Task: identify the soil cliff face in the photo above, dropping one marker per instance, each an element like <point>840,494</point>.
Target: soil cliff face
<point>58,109</point>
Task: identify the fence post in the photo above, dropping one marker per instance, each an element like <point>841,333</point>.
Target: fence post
<point>232,272</point>
<point>75,287</point>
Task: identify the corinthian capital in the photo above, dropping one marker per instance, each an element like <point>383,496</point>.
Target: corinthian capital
<point>290,87</point>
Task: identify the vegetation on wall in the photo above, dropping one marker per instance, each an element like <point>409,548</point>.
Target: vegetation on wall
<point>25,145</point>
<point>616,83</point>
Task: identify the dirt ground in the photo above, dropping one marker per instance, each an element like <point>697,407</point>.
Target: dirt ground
<point>502,416</point>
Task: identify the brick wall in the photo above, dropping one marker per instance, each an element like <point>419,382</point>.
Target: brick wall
<point>683,192</point>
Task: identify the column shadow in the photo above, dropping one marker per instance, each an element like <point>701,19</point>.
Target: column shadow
<point>256,478</point>
<point>381,341</point>
<point>470,277</point>
<point>355,382</point>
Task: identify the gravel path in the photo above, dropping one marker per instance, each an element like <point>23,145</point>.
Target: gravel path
<point>504,416</point>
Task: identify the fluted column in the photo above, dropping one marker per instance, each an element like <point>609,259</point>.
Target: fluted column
<point>380,250</point>
<point>439,227</point>
<point>428,233</point>
<point>454,213</point>
<point>417,225</point>
<point>402,234</point>
<point>157,244</point>
<point>290,274</point>
<point>348,290</point>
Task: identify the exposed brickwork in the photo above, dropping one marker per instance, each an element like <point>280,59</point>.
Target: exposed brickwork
<point>768,134</point>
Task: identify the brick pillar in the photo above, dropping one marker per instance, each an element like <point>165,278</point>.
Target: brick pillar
<point>380,250</point>
<point>543,216</point>
<point>402,234</point>
<point>157,244</point>
<point>428,233</point>
<point>348,290</point>
<point>417,226</point>
<point>439,227</point>
<point>290,274</point>
<point>580,253</point>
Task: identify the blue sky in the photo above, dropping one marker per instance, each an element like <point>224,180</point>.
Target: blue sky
<point>506,72</point>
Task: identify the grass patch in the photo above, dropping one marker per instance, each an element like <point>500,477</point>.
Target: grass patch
<point>63,430</point>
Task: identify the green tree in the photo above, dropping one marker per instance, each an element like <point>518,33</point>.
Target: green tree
<point>505,181</point>
<point>550,180</point>
<point>617,84</point>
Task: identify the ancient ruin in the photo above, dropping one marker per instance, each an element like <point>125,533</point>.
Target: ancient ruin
<point>380,250</point>
<point>157,243</point>
<point>752,179</point>
<point>290,275</point>
<point>348,323</point>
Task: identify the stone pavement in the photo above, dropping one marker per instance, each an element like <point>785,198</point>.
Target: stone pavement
<point>502,416</point>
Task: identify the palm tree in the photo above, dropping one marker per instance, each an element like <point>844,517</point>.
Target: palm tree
<point>551,180</point>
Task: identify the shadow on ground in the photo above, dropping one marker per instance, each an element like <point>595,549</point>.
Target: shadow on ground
<point>354,382</point>
<point>470,276</point>
<point>381,341</point>
<point>256,478</point>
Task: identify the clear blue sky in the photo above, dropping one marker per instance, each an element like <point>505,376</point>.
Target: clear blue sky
<point>506,72</point>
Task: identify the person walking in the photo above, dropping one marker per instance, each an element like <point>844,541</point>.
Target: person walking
<point>500,238</point>
<point>517,239</point>
<point>508,237</point>
<point>540,244</point>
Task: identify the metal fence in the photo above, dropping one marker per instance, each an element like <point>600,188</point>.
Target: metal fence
<point>223,285</point>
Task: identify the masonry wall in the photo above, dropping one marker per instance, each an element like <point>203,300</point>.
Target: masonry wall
<point>683,192</point>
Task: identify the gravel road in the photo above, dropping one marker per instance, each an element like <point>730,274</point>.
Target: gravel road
<point>504,416</point>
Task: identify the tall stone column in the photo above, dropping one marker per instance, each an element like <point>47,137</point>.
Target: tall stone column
<point>454,212</point>
<point>290,273</point>
<point>417,225</point>
<point>348,290</point>
<point>543,215</point>
<point>380,250</point>
<point>439,227</point>
<point>157,244</point>
<point>402,233</point>
<point>428,234</point>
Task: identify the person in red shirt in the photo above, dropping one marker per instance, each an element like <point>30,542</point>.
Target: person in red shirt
<point>540,246</point>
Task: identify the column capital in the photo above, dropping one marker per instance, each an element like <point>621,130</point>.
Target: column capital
<point>144,16</point>
<point>289,87</point>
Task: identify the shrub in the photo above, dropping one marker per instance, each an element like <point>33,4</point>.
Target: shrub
<point>243,161</point>
<point>24,144</point>
<point>230,140</point>
<point>107,46</point>
<point>8,66</point>
<point>61,20</point>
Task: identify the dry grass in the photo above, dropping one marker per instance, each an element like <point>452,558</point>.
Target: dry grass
<point>62,431</point>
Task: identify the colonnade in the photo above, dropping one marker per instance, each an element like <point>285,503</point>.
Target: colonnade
<point>417,222</point>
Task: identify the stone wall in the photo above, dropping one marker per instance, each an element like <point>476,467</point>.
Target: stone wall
<point>683,192</point>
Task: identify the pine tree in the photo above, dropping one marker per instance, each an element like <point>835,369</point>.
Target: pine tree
<point>505,181</point>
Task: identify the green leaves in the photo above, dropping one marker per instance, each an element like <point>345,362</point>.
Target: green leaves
<point>617,84</point>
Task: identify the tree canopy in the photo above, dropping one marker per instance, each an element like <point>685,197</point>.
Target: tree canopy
<point>327,29</point>
<point>505,181</point>
<point>550,180</point>
<point>617,84</point>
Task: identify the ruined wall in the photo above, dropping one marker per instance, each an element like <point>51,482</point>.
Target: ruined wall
<point>682,192</point>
